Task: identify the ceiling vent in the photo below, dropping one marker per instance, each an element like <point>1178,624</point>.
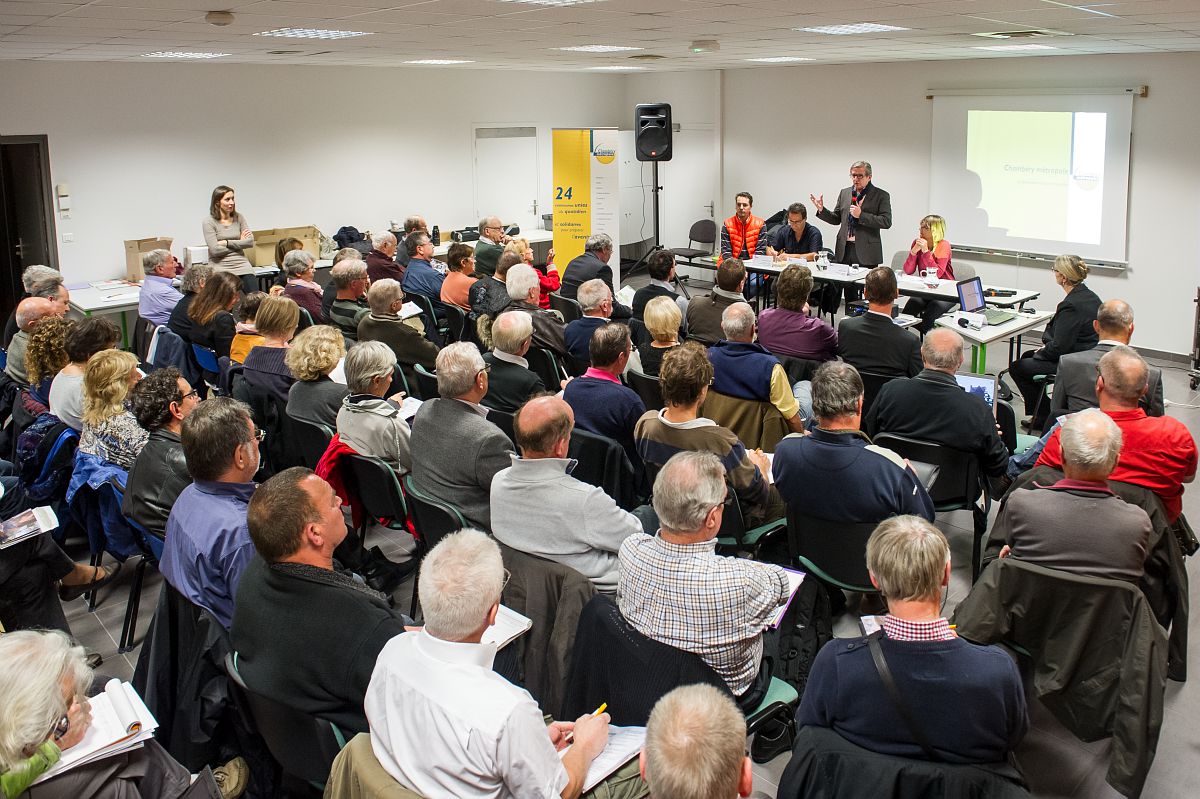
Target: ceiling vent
<point>646,57</point>
<point>1033,33</point>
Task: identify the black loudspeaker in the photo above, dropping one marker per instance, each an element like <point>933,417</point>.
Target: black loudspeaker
<point>652,131</point>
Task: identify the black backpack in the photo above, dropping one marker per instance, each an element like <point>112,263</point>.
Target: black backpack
<point>806,627</point>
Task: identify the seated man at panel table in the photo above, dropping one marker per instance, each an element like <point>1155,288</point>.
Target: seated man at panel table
<point>524,287</point>
<point>787,329</point>
<point>745,370</point>
<point>796,239</point>
<point>208,543</point>
<point>602,404</point>
<point>575,524</point>
<point>30,311</point>
<point>161,401</point>
<point>1075,381</point>
<point>490,245</point>
<point>596,300</point>
<point>661,266</point>
<point>873,342</point>
<point>381,261</point>
<point>836,473</point>
<point>933,407</point>
<point>510,381</point>
<point>307,635</point>
<point>969,698</point>
<point>593,264</point>
<point>350,278</point>
<point>158,296</point>
<point>458,450</point>
<point>444,724</point>
<point>704,313</point>
<point>1159,453</point>
<point>1077,524</point>
<point>695,746</point>
<point>674,588</point>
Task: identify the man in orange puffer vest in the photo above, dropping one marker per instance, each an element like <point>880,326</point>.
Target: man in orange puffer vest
<point>740,238</point>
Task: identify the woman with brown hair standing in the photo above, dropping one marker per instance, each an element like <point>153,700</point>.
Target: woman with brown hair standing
<point>228,237</point>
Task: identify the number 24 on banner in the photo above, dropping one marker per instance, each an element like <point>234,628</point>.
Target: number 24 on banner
<point>560,194</point>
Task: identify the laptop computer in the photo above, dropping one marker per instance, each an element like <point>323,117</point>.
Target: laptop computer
<point>983,386</point>
<point>970,299</point>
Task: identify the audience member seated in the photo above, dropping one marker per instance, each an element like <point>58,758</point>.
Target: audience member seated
<point>596,301</point>
<point>30,312</point>
<point>787,329</point>
<point>329,294</point>
<point>161,401</point>
<point>745,370</point>
<point>368,423</point>
<point>933,407</point>
<point>661,266</point>
<point>208,544</point>
<point>158,296</point>
<point>213,325</point>
<point>969,701</point>
<point>662,318</point>
<point>302,288</point>
<point>548,279</point>
<point>836,473</point>
<point>510,381</point>
<point>193,280</point>
<point>315,397</point>
<point>110,431</point>
<point>384,324</point>
<point>282,248</point>
<point>490,245</point>
<point>489,294</point>
<point>411,224</point>
<point>522,285</point>
<point>36,576</point>
<point>1158,453</point>
<point>1078,524</point>
<point>38,281</point>
<point>695,746</point>
<point>576,524</point>
<point>873,342</point>
<point>1075,381</point>
<point>90,335</point>
<point>461,451</point>
<point>593,264</point>
<point>247,336</point>
<point>674,588</point>
<point>46,355</point>
<point>307,634</point>
<point>704,313</point>
<point>350,278</point>
<point>684,379</point>
<point>602,404</point>
<point>44,680</point>
<point>265,368</point>
<point>381,260</point>
<point>456,288</point>
<point>443,723</point>
<point>420,277</point>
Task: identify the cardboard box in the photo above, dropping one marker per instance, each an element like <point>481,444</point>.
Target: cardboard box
<point>263,252</point>
<point>194,255</point>
<point>135,249</point>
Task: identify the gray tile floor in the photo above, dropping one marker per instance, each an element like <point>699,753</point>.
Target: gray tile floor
<point>1055,762</point>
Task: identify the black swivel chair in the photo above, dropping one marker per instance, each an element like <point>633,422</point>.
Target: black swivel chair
<point>647,387</point>
<point>703,231</point>
<point>313,440</point>
<point>568,308</point>
<point>433,520</point>
<point>872,382</point>
<point>544,364</point>
<point>834,552</point>
<point>426,383</point>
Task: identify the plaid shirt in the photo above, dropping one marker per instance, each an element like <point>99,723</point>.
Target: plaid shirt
<point>686,596</point>
<point>904,630</point>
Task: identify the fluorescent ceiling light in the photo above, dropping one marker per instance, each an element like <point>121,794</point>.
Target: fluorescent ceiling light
<point>599,48</point>
<point>1008,48</point>
<point>312,33</point>
<point>857,27</point>
<point>617,68</point>
<point>553,3</point>
<point>779,59</point>
<point>166,54</point>
<point>437,62</point>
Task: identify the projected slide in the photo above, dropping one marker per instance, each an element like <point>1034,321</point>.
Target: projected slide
<point>1041,172</point>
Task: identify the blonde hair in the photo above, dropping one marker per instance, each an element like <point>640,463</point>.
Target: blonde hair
<point>907,556</point>
<point>1072,268</point>
<point>937,229</point>
<point>695,744</point>
<point>106,384</point>
<point>315,352</point>
<point>662,318</point>
<point>277,316</point>
<point>519,246</point>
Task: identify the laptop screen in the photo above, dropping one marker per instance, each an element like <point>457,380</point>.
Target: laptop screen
<point>970,295</point>
<point>983,386</point>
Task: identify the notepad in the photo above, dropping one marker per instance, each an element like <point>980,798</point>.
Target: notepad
<point>409,310</point>
<point>120,722</point>
<point>624,743</point>
<point>795,580</point>
<point>509,626</point>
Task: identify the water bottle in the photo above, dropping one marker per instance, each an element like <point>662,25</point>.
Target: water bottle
<point>436,236</point>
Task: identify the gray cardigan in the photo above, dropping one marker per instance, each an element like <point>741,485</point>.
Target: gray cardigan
<point>228,256</point>
<point>372,426</point>
<point>316,401</point>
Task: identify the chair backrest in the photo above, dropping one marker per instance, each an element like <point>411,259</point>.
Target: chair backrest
<point>798,369</point>
<point>872,382</point>
<point>544,364</point>
<point>313,439</point>
<point>898,259</point>
<point>835,552</point>
<point>456,319</point>
<point>504,420</point>
<point>647,387</point>
<point>703,231</point>
<point>375,485</point>
<point>605,464</point>
<point>305,746</point>
<point>964,271</point>
<point>143,331</point>
<point>1006,420</point>
<point>426,383</point>
<point>207,359</point>
<point>569,308</point>
<point>432,518</point>
<point>958,479</point>
<point>759,425</point>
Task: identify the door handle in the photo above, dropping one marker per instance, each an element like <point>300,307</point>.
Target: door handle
<point>711,206</point>
<point>20,248</point>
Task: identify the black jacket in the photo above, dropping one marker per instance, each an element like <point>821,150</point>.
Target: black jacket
<point>587,267</point>
<point>487,297</point>
<point>158,476</point>
<point>179,321</point>
<point>509,385</point>
<point>875,344</point>
<point>1070,329</point>
<point>932,407</point>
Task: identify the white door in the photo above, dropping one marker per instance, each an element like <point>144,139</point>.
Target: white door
<point>506,175</point>
<point>689,182</point>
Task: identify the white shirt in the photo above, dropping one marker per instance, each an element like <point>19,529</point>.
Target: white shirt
<point>445,725</point>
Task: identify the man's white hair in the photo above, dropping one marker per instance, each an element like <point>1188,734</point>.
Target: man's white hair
<point>382,294</point>
<point>458,365</point>
<point>737,321</point>
<point>510,330</point>
<point>1091,443</point>
<point>520,280</point>
<point>591,294</point>
<point>38,273</point>
<point>381,240</point>
<point>695,744</point>
<point>461,578</point>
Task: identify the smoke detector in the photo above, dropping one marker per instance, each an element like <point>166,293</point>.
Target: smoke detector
<point>219,18</point>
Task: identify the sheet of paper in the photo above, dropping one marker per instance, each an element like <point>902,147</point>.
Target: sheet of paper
<point>509,626</point>
<point>795,580</point>
<point>625,295</point>
<point>107,735</point>
<point>839,269</point>
<point>409,309</point>
<point>409,408</point>
<point>624,743</point>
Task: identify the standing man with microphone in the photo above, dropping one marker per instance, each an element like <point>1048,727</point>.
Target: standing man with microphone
<point>863,209</point>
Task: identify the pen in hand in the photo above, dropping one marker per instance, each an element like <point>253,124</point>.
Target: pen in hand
<point>570,736</point>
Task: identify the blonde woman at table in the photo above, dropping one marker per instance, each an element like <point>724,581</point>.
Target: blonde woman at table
<point>929,251</point>
<point>228,237</point>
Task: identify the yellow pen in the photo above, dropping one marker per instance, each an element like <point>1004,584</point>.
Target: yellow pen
<point>570,736</point>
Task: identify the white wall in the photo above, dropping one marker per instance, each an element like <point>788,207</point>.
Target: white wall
<point>142,146</point>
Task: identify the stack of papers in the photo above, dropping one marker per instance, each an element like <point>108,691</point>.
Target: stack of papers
<point>795,580</point>
<point>509,626</point>
<point>409,310</point>
<point>26,525</point>
<point>120,722</point>
<point>624,743</point>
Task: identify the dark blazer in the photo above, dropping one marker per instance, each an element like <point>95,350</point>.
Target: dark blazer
<point>456,454</point>
<point>587,267</point>
<point>509,384</point>
<point>875,344</point>
<point>217,335</point>
<point>876,216</point>
<point>1075,384</point>
<point>409,346</point>
<point>179,321</point>
<point>579,337</point>
<point>1070,329</point>
<point>932,407</point>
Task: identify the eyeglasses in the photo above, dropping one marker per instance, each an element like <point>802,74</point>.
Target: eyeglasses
<point>494,227</point>
<point>484,371</point>
<point>858,174</point>
<point>259,434</point>
<point>507,577</point>
<point>189,395</point>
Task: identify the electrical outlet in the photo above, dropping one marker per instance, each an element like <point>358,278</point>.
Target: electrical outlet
<point>68,238</point>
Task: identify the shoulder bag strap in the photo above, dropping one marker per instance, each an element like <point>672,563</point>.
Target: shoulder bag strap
<point>885,674</point>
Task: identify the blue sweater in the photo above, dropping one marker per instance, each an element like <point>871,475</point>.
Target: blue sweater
<point>742,370</point>
<point>579,337</point>
<point>607,409</point>
<point>966,698</point>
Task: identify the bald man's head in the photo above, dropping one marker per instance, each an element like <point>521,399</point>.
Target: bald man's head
<point>942,350</point>
<point>543,427</point>
<point>32,310</point>
<point>1124,377</point>
<point>1114,321</point>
